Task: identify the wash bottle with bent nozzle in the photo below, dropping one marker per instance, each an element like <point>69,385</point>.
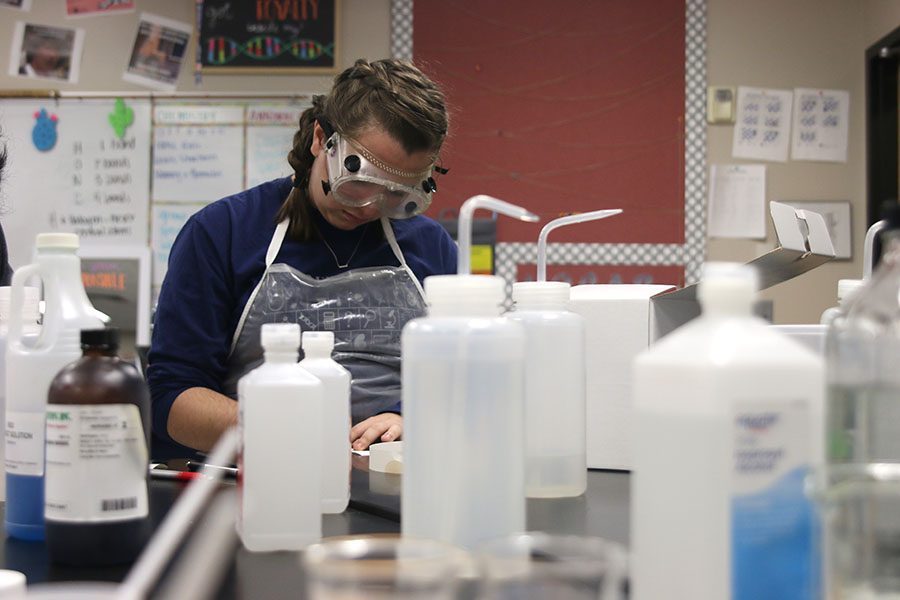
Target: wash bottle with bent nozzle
<point>555,445</point>
<point>463,386</point>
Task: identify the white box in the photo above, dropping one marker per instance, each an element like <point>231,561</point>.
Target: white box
<point>623,320</point>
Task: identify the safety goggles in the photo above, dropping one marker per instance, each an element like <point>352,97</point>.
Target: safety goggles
<point>357,178</point>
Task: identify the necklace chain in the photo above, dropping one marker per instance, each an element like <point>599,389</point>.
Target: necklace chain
<point>352,254</point>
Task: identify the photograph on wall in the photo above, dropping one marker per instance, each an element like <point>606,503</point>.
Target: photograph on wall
<point>19,4</point>
<point>260,37</point>
<point>44,52</point>
<point>93,8</point>
<point>158,52</point>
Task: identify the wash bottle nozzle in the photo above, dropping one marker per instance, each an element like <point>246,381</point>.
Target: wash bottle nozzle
<point>594,215</point>
<point>465,224</point>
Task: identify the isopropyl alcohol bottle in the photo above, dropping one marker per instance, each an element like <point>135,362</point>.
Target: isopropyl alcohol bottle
<point>555,409</point>
<point>30,367</point>
<point>335,456</point>
<point>729,421</point>
<point>280,407</point>
<point>463,401</point>
<point>98,437</point>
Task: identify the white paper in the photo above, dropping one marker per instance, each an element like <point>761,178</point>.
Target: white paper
<point>197,163</point>
<point>270,136</point>
<point>763,124</point>
<point>737,201</point>
<point>820,125</point>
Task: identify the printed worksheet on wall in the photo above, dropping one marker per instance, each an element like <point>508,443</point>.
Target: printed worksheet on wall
<point>820,125</point>
<point>763,124</point>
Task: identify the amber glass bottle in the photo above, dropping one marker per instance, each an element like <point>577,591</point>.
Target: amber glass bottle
<point>96,507</point>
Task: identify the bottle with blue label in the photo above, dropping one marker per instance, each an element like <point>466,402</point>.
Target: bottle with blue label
<point>729,422</point>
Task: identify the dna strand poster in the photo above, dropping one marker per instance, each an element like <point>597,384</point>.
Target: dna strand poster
<point>261,36</point>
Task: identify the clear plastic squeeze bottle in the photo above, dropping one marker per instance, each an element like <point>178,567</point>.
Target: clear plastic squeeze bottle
<point>555,444</point>
<point>463,401</point>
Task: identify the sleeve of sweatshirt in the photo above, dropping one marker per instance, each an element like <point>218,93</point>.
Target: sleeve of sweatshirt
<point>191,333</point>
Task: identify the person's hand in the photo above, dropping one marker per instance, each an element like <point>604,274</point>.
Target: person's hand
<point>386,427</point>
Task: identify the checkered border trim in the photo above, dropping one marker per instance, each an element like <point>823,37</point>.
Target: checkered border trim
<point>402,29</point>
<point>694,139</point>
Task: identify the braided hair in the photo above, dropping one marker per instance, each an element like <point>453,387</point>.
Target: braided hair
<point>390,94</point>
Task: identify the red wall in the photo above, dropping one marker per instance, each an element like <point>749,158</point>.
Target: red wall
<point>563,106</point>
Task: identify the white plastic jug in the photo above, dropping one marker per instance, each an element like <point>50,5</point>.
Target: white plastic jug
<point>335,455</point>
<point>31,366</point>
<point>463,372</point>
<point>280,404</point>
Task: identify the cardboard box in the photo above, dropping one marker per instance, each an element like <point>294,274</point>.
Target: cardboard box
<point>623,320</point>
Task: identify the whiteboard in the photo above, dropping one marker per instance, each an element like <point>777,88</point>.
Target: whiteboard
<point>85,178</point>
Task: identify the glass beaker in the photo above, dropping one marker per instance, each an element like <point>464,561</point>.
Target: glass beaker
<point>860,509</point>
<point>562,567</point>
<point>376,567</point>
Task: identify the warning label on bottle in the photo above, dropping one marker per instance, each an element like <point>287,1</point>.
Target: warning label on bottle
<point>96,463</point>
<point>24,443</point>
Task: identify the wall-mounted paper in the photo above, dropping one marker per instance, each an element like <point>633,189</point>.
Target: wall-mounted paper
<point>737,201</point>
<point>270,136</point>
<point>167,221</point>
<point>820,125</point>
<point>763,124</point>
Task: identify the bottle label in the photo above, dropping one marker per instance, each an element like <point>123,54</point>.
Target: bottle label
<point>773,526</point>
<point>24,443</point>
<point>96,463</point>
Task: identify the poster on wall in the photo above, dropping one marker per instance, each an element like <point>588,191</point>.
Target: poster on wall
<point>19,4</point>
<point>158,52</point>
<point>268,35</point>
<point>94,8</point>
<point>44,52</point>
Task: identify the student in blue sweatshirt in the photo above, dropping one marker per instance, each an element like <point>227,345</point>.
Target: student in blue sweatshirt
<point>339,246</point>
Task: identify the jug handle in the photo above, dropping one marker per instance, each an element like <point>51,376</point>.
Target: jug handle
<point>17,299</point>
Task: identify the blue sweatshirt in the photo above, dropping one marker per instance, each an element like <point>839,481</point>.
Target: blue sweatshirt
<point>218,259</point>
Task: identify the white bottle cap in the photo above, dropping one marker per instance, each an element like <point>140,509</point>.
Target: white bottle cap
<point>12,584</point>
<point>57,240</point>
<point>727,285</point>
<point>465,290</point>
<point>319,343</point>
<point>284,337</point>
<point>30,307</point>
<point>541,292</point>
<point>848,287</point>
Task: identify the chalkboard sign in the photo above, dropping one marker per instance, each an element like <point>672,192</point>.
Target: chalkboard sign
<point>268,35</point>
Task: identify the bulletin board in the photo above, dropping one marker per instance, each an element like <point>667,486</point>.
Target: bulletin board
<point>288,35</point>
<point>129,171</point>
<point>569,107</point>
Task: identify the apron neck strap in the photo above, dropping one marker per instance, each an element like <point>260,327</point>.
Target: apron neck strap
<point>277,240</point>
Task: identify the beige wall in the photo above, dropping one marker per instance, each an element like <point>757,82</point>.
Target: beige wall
<point>811,43</point>
<point>365,32</point>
